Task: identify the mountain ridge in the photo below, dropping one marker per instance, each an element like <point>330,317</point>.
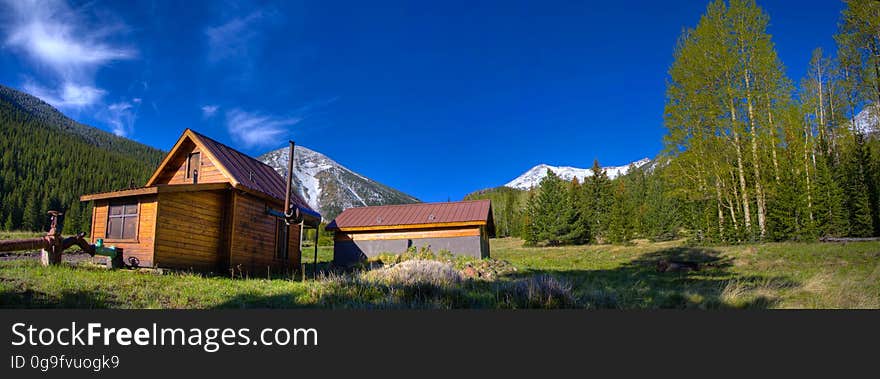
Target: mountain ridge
<point>330,187</point>
<point>532,177</point>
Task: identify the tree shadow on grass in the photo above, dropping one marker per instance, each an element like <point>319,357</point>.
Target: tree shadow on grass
<point>640,283</point>
<point>82,299</point>
<point>633,285</point>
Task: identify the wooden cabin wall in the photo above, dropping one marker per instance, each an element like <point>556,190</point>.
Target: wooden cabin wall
<point>190,230</point>
<point>143,247</point>
<point>175,172</point>
<point>253,239</point>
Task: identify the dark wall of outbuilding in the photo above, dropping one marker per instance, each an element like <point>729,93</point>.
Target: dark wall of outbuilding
<point>349,251</point>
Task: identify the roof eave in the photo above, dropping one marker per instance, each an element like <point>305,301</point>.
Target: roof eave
<point>332,227</point>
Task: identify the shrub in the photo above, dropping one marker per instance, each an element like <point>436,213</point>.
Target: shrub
<point>543,291</point>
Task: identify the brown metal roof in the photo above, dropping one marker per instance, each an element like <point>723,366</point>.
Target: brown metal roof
<point>476,212</point>
<point>250,172</point>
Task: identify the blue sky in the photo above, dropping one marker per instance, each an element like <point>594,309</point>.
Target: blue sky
<point>436,99</point>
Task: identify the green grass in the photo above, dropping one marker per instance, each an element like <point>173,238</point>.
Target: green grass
<point>14,234</point>
<point>779,275</point>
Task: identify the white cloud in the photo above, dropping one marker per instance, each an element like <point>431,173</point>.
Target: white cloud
<point>208,111</point>
<point>234,38</point>
<point>69,96</point>
<point>121,117</point>
<point>56,38</point>
<point>256,130</point>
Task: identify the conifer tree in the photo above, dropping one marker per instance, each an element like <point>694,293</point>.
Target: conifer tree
<point>858,190</point>
<point>831,215</point>
<point>30,220</point>
<point>577,224</point>
<point>530,224</point>
<point>72,219</point>
<point>550,210</point>
<point>8,224</point>
<point>597,201</point>
<point>619,228</point>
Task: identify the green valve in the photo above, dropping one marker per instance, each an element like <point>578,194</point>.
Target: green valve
<point>109,251</point>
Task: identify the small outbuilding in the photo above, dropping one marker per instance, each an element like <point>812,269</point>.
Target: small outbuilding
<point>207,207</point>
<point>462,228</point>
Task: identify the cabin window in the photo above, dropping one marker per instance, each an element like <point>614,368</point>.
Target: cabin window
<point>122,221</point>
<point>281,239</point>
<point>192,166</point>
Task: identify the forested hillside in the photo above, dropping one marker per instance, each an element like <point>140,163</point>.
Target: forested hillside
<point>507,208</point>
<point>750,156</point>
<point>48,160</point>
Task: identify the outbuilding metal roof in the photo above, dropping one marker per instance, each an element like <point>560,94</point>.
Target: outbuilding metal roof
<point>476,212</point>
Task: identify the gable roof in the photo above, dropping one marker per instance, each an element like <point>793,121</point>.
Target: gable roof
<point>409,216</point>
<point>243,171</point>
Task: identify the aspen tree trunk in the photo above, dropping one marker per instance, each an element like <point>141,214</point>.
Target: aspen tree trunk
<point>747,215</point>
<point>807,170</point>
<point>874,50</point>
<point>732,204</point>
<point>773,144</point>
<point>756,165</point>
<point>832,147</point>
<point>821,107</point>
<point>718,202</point>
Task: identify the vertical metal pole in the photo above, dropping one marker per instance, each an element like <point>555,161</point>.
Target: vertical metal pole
<point>286,211</point>
<point>317,228</point>
<point>289,177</point>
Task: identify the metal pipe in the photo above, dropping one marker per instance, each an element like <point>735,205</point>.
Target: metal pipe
<point>52,244</point>
<point>24,244</point>
<point>287,213</point>
<point>289,177</point>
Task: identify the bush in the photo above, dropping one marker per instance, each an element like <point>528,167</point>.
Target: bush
<point>543,291</point>
<point>417,271</point>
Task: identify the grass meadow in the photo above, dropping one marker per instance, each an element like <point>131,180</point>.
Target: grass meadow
<point>773,275</point>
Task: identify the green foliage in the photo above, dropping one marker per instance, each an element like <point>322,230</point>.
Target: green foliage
<point>8,224</point>
<point>507,209</point>
<point>831,217</point>
<point>620,219</point>
<point>547,212</point>
<point>597,203</point>
<point>324,238</point>
<point>48,160</point>
<point>858,190</point>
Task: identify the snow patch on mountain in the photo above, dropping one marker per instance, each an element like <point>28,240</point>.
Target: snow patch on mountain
<point>867,120</point>
<point>533,176</point>
<point>330,187</point>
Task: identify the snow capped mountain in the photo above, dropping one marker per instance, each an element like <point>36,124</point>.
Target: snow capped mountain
<point>867,120</point>
<point>330,187</point>
<point>532,177</point>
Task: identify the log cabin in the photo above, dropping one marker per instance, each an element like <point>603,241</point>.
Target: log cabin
<point>206,208</point>
<point>462,228</point>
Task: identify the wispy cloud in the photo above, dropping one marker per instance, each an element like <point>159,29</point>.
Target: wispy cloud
<point>121,116</point>
<point>57,38</point>
<point>253,129</point>
<point>209,111</point>
<point>234,38</point>
<point>69,96</point>
<point>258,129</point>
